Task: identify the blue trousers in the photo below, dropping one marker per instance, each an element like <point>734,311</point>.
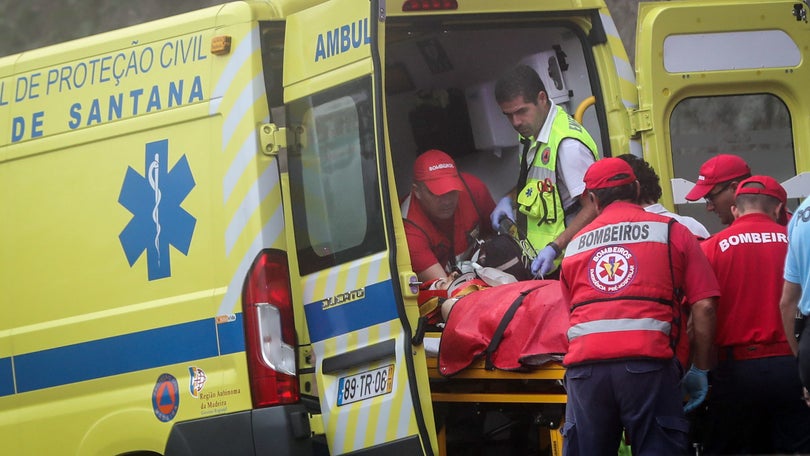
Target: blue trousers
<point>641,396</point>
<point>756,407</point>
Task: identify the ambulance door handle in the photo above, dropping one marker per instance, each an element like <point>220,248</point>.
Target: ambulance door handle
<point>360,357</point>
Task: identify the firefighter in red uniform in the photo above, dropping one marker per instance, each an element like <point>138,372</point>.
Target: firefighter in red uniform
<point>717,181</point>
<point>445,215</point>
<point>755,405</point>
<point>623,274</point>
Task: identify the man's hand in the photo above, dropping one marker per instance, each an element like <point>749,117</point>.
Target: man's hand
<point>502,209</point>
<point>696,384</point>
<point>543,263</point>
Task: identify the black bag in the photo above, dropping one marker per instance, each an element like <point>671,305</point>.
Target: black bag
<point>503,252</point>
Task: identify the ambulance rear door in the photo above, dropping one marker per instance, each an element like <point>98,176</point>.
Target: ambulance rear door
<point>336,191</point>
<point>724,77</point>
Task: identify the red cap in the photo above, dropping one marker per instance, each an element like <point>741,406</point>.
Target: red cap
<point>718,169</point>
<point>438,172</point>
<point>599,174</point>
<point>769,187</point>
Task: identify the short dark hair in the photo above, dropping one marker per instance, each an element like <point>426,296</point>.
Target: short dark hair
<point>648,181</point>
<point>626,192</point>
<point>521,80</point>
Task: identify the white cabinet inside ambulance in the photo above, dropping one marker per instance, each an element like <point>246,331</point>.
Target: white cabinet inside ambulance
<point>201,244</point>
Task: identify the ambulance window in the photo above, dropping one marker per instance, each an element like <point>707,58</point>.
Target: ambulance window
<point>755,126</point>
<point>333,177</point>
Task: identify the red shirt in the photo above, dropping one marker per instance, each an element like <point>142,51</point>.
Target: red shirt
<point>697,280</point>
<point>691,271</point>
<point>429,243</point>
<point>748,258</point>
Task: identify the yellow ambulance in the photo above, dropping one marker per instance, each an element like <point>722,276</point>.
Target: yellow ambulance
<point>201,247</point>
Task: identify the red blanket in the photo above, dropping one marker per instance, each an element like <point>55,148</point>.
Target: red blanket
<point>534,318</point>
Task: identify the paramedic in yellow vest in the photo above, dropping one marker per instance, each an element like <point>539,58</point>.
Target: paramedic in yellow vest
<point>547,203</point>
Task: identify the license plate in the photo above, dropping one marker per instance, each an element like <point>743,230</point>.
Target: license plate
<point>365,385</point>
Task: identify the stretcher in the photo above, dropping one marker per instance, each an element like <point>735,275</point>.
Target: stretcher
<point>539,389</point>
<point>494,370</point>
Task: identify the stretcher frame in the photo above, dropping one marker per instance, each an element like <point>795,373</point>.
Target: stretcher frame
<point>499,392</point>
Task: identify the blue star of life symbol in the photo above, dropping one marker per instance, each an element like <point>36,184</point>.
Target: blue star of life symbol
<point>154,201</point>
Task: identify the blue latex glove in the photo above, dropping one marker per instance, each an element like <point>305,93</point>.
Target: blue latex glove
<point>543,263</point>
<point>502,209</point>
<point>695,384</point>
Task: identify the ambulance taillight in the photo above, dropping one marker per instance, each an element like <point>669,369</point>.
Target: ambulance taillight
<point>429,5</point>
<point>270,331</point>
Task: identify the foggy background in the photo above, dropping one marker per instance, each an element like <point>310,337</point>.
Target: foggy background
<point>30,24</point>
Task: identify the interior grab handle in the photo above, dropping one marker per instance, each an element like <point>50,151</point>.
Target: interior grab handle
<point>585,104</point>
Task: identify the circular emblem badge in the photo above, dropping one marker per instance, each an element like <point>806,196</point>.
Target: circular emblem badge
<point>165,397</point>
<point>611,269</point>
<point>546,155</point>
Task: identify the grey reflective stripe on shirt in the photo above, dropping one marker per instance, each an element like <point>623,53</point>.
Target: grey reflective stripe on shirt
<point>539,174</point>
<point>619,233</point>
<point>620,324</point>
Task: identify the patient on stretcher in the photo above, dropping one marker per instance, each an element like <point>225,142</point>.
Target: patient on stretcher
<point>513,325</point>
<point>438,296</point>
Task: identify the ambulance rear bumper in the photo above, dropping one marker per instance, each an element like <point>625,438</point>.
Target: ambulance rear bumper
<point>280,431</point>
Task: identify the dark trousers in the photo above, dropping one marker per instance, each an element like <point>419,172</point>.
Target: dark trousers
<point>641,396</point>
<point>804,356</point>
<point>756,407</point>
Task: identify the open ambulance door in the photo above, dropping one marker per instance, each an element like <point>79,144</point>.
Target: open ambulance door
<point>720,76</point>
<point>373,396</point>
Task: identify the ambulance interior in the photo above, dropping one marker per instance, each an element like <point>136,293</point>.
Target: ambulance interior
<point>439,81</point>
<point>439,94</point>
<point>439,91</point>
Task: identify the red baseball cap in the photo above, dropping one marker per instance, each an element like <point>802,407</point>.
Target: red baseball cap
<point>769,187</point>
<point>599,174</point>
<point>718,169</point>
<point>438,172</point>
